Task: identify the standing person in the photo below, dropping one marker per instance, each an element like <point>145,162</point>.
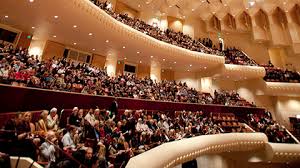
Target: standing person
<point>221,43</point>
<point>114,108</point>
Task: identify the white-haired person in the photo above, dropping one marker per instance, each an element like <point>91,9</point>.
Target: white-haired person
<point>52,120</point>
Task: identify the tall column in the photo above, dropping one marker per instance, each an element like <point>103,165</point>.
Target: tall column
<point>111,64</point>
<point>36,48</point>
<point>206,85</point>
<point>155,71</point>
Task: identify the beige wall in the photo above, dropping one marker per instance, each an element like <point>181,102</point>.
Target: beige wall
<point>98,60</point>
<point>278,57</point>
<point>287,107</point>
<point>143,71</point>
<point>167,74</point>
<point>190,78</point>
<point>53,49</point>
<point>175,24</point>
<point>123,8</point>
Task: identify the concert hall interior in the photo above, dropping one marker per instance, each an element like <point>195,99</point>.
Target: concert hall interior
<point>150,83</point>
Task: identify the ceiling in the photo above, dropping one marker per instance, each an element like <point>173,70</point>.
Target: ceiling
<point>89,35</point>
<point>205,9</point>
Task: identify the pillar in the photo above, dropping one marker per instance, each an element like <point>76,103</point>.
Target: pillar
<point>36,48</point>
<point>111,64</point>
<point>155,71</point>
<point>206,85</point>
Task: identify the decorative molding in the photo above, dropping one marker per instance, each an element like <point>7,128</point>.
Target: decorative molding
<point>248,72</point>
<point>282,89</point>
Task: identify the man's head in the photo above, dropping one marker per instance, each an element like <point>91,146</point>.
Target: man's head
<point>75,110</point>
<point>89,153</point>
<point>53,112</point>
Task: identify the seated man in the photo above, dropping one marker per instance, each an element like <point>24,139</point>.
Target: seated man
<point>52,120</point>
<point>67,139</point>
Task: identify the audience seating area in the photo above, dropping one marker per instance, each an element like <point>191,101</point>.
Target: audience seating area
<point>274,74</point>
<point>205,45</point>
<point>20,69</point>
<point>103,138</point>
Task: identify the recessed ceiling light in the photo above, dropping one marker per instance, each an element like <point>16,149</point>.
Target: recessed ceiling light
<point>164,59</point>
<point>107,41</point>
<point>124,47</point>
<point>74,43</point>
<point>93,49</point>
<point>191,65</point>
<point>54,36</point>
<point>151,56</point>
<point>55,17</point>
<point>90,34</point>
<point>74,26</point>
<point>6,16</point>
<point>138,52</point>
<point>31,0</point>
<point>33,27</point>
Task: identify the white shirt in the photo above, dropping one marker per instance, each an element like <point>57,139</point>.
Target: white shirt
<point>67,140</point>
<point>90,118</point>
<point>51,123</point>
<point>47,152</point>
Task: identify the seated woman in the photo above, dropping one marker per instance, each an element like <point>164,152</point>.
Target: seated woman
<point>41,125</point>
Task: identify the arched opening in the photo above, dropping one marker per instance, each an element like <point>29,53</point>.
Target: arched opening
<point>215,23</point>
<point>245,20</point>
<point>230,21</point>
<point>279,18</point>
<point>295,14</point>
<point>261,19</point>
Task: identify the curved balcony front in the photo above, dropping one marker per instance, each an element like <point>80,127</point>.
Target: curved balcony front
<point>239,72</point>
<point>253,146</point>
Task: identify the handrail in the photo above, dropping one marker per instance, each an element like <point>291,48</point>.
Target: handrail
<point>175,153</point>
<point>295,139</point>
<point>178,152</point>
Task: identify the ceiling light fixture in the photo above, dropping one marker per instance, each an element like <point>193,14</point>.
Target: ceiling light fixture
<point>33,27</point>
<point>6,16</point>
<point>90,34</point>
<point>75,43</point>
<point>93,49</point>
<point>164,59</point>
<point>54,36</point>
<point>124,47</point>
<point>125,58</point>
<point>151,56</point>
<point>74,26</point>
<point>31,1</point>
<point>55,16</point>
<point>175,62</point>
<point>191,65</point>
<point>107,41</point>
<point>138,52</point>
